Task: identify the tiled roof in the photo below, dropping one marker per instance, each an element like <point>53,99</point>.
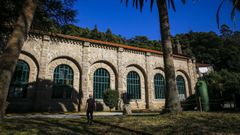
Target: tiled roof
<point>106,43</point>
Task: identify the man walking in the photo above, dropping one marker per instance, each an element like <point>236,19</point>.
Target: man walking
<point>90,108</point>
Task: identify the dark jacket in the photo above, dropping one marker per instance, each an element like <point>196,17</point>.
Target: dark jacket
<point>91,104</point>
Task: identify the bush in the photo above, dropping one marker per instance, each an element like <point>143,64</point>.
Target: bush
<point>222,86</point>
<point>110,98</point>
<point>190,103</point>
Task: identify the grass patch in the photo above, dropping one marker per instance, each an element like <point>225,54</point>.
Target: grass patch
<point>183,123</point>
<point>48,126</point>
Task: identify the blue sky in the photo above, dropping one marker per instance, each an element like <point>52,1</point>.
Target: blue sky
<point>195,15</point>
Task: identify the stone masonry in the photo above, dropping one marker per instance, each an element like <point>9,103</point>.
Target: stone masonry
<point>44,52</point>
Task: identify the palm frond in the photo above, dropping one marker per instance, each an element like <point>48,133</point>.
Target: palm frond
<point>171,3</point>
<point>218,12</point>
<point>236,7</point>
<point>236,4</point>
<point>233,12</point>
<point>133,3</point>
<point>126,2</point>
<point>184,1</point>
<point>151,5</point>
<point>140,3</point>
<point>136,4</point>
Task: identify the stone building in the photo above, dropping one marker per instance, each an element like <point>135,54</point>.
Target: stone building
<point>58,72</point>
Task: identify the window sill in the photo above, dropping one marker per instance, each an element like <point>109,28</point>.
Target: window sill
<point>159,100</point>
<point>134,100</point>
<point>99,100</point>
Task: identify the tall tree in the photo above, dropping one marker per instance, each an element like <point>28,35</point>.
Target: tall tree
<point>225,31</point>
<point>41,14</point>
<point>13,48</point>
<point>52,14</point>
<point>172,103</point>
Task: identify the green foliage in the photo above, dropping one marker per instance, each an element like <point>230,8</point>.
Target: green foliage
<point>144,42</point>
<point>225,31</point>
<point>189,103</point>
<point>52,14</point>
<point>223,53</point>
<point>9,11</point>
<point>207,47</point>
<point>110,98</point>
<point>204,46</point>
<point>223,86</point>
<point>49,15</point>
<point>138,41</point>
<point>73,30</point>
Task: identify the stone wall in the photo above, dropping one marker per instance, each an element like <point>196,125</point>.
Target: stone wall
<point>44,53</point>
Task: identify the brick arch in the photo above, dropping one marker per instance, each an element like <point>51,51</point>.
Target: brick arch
<point>155,71</point>
<point>187,81</point>
<point>76,71</point>
<point>64,51</point>
<point>140,68</point>
<point>109,64</point>
<point>33,57</point>
<point>100,64</point>
<point>140,103</point>
<point>70,59</point>
<point>33,67</point>
<point>97,59</point>
<point>135,63</point>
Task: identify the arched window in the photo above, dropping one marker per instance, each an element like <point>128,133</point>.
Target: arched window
<point>19,82</point>
<point>159,86</point>
<point>133,85</point>
<point>63,82</point>
<point>101,82</point>
<point>181,87</point>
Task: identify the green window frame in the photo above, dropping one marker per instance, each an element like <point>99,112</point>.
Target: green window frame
<point>133,85</point>
<point>101,82</point>
<point>159,86</point>
<point>63,82</point>
<point>19,82</point>
<point>181,87</point>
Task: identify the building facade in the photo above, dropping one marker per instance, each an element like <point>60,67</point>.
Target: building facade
<point>58,72</point>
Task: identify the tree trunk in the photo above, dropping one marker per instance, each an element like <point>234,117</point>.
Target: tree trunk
<point>172,103</point>
<point>13,49</point>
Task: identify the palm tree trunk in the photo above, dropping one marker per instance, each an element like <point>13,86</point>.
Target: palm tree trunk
<point>13,49</point>
<point>172,103</point>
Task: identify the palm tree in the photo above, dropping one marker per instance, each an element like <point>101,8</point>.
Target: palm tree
<point>236,7</point>
<point>172,103</point>
<point>13,49</point>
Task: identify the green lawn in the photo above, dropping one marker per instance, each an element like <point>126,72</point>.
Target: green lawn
<point>184,123</point>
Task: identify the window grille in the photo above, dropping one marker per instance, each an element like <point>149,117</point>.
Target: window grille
<point>133,85</point>
<point>101,82</point>
<point>19,82</point>
<point>63,82</point>
<point>159,86</point>
<point>181,87</point>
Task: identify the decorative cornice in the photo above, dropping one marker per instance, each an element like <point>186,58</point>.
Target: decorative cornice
<point>92,41</point>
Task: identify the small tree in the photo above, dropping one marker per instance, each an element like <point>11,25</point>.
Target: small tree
<point>110,98</point>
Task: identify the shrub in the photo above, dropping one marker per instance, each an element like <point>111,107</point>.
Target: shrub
<point>110,98</point>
